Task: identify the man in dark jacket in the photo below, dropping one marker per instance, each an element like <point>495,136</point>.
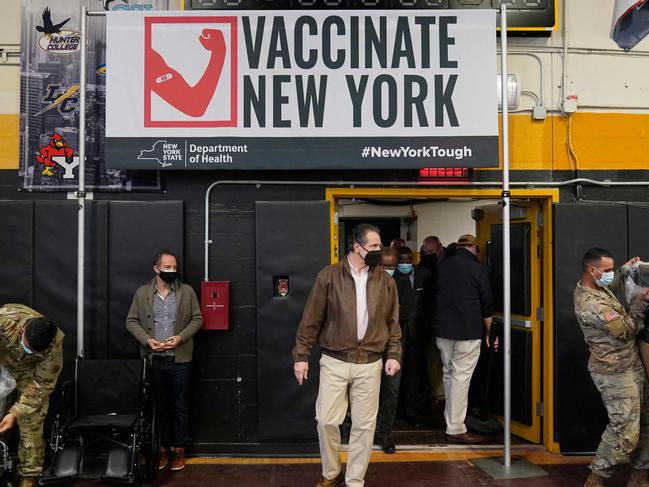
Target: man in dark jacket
<point>352,312</point>
<point>389,383</point>
<point>163,317</point>
<point>416,301</point>
<point>431,253</point>
<point>462,318</point>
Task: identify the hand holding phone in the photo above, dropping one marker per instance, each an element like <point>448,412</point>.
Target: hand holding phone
<point>171,342</point>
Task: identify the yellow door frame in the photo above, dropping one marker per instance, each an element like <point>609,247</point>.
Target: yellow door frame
<point>547,196</point>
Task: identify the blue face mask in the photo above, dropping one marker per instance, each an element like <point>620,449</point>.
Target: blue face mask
<point>606,279</point>
<point>389,271</point>
<point>405,268</point>
<point>25,348</point>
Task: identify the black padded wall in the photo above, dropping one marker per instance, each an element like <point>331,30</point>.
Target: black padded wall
<point>292,242</point>
<point>638,221</point>
<point>580,416</point>
<point>55,269</point>
<point>225,409</point>
<point>16,249</point>
<point>136,232</point>
<point>39,256</point>
<point>95,287</point>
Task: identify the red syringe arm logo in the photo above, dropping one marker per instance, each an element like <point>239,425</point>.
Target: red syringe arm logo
<point>170,85</point>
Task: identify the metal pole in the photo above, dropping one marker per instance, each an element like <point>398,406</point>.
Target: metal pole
<point>506,240</point>
<point>81,193</point>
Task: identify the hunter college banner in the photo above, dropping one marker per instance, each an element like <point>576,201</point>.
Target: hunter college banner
<point>50,100</point>
<point>301,90</point>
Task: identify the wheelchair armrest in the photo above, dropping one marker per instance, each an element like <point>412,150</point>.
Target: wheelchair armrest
<point>147,396</point>
<point>67,387</point>
<point>66,401</point>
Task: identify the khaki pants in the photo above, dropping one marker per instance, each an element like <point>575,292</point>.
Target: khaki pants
<point>435,369</point>
<point>359,385</point>
<point>459,358</point>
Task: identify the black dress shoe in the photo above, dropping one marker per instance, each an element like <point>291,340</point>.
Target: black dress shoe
<point>414,421</point>
<point>388,446</point>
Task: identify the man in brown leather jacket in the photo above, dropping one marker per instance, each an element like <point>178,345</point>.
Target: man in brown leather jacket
<point>353,313</point>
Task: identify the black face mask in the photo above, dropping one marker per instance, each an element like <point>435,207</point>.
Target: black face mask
<point>168,276</point>
<point>372,258</point>
<point>429,261</point>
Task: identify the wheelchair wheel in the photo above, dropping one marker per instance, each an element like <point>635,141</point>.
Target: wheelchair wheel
<point>8,464</point>
<point>151,449</point>
<point>9,478</point>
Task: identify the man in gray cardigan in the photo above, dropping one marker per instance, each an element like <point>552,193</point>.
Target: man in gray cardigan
<point>163,317</point>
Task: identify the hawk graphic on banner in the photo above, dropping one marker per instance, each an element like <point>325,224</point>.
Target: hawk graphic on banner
<point>48,28</point>
<point>630,22</point>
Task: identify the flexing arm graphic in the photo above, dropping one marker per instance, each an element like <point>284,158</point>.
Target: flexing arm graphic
<point>170,85</point>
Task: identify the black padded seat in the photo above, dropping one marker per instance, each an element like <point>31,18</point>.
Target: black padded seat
<point>93,422</point>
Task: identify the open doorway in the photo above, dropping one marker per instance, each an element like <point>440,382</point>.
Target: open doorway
<point>390,229</point>
<point>447,214</point>
<point>420,408</point>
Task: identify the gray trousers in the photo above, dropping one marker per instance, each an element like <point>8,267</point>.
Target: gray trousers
<point>388,405</point>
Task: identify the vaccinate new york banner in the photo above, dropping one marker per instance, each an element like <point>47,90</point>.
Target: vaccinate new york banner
<point>301,89</point>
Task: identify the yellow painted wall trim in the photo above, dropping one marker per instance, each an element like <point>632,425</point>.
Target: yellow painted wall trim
<point>9,141</point>
<point>601,141</point>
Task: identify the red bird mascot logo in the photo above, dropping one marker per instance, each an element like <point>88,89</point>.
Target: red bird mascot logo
<point>56,147</point>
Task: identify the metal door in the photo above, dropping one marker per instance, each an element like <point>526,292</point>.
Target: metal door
<point>526,307</point>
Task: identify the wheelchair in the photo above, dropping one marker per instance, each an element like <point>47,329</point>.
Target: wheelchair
<point>105,427</point>
<point>8,456</point>
<point>8,477</point>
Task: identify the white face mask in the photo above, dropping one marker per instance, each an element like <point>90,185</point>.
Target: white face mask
<point>606,279</point>
<point>25,347</point>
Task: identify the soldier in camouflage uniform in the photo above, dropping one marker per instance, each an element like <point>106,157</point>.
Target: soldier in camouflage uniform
<point>638,273</point>
<point>615,367</point>
<point>31,349</point>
